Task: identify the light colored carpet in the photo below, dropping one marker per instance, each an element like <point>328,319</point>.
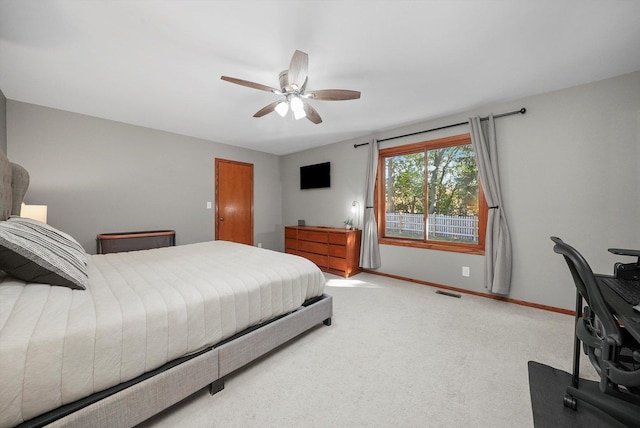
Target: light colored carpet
<point>397,355</point>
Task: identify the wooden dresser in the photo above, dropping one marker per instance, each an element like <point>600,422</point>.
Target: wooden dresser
<point>334,250</point>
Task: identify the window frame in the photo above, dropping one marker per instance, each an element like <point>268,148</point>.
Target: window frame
<point>423,146</point>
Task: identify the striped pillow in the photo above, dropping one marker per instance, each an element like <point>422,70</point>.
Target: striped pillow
<point>36,252</point>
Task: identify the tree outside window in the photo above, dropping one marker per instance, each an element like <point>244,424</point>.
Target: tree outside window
<point>431,196</point>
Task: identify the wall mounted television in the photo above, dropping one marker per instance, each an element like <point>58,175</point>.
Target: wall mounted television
<point>315,176</point>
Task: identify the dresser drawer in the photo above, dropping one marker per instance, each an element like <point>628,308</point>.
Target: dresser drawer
<point>290,244</point>
<point>311,235</point>
<point>338,263</point>
<point>313,247</point>
<point>338,251</point>
<point>290,233</point>
<point>319,259</point>
<point>338,238</point>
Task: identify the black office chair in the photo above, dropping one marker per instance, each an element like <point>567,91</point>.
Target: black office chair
<point>614,353</point>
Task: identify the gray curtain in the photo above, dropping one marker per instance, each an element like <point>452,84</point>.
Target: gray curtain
<point>370,250</point>
<point>498,241</point>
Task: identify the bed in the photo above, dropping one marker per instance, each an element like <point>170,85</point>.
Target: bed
<point>110,340</point>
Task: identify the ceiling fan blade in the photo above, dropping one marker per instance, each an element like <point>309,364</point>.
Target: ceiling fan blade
<point>267,109</point>
<point>284,80</point>
<point>311,113</point>
<point>333,94</point>
<point>298,68</point>
<point>250,84</point>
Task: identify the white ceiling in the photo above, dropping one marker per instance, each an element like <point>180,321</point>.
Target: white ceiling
<point>158,63</point>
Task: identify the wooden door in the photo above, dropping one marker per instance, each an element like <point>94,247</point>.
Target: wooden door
<point>234,201</point>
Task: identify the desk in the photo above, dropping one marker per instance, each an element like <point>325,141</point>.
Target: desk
<point>622,310</point>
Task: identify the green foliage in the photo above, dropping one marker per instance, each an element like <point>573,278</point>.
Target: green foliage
<point>405,184</point>
<point>452,182</point>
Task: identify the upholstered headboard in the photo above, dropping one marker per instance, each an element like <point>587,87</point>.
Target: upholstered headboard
<point>14,181</point>
<point>29,249</point>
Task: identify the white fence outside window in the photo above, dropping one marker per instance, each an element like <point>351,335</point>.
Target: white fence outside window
<point>449,228</point>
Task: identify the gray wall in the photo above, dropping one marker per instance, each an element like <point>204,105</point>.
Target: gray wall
<point>99,176</point>
<point>3,123</point>
<point>569,167</point>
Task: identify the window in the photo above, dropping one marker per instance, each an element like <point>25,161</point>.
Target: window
<point>429,196</point>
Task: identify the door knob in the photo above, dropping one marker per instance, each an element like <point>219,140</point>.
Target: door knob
<point>221,218</point>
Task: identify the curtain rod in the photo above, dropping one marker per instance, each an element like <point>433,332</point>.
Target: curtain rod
<point>521,111</point>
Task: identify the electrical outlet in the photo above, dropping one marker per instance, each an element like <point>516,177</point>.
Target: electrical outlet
<point>208,205</point>
<point>465,270</point>
<point>259,244</point>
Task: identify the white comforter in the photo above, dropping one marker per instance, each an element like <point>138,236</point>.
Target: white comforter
<point>141,310</point>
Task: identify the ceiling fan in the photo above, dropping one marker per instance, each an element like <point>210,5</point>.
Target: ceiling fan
<point>293,85</point>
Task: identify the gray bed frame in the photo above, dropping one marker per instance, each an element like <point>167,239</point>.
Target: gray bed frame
<point>135,401</point>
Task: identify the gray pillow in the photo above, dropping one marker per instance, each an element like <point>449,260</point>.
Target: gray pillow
<point>36,252</point>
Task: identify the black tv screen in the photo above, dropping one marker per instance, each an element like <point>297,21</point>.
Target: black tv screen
<point>315,176</point>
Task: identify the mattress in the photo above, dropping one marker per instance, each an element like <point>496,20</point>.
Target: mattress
<point>141,310</point>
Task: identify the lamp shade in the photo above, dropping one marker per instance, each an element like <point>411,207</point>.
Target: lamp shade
<point>282,108</point>
<point>297,106</point>
<point>36,212</point>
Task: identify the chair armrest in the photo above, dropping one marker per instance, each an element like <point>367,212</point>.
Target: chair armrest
<point>624,252</point>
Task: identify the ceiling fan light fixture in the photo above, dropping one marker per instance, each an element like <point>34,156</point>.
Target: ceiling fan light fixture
<point>299,114</point>
<point>282,108</point>
<point>297,106</point>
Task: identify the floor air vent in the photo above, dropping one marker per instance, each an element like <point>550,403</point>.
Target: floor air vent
<point>446,293</point>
